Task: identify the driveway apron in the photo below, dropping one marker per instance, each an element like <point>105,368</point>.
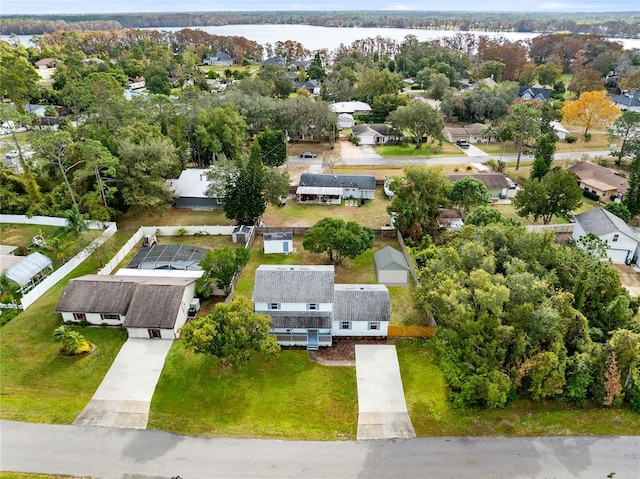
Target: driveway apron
<point>382,410</point>
<point>124,396</point>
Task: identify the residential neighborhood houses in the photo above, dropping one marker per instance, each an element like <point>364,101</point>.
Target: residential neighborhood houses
<point>215,158</point>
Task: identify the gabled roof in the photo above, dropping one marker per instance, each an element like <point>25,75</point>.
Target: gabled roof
<point>534,93</point>
<point>301,63</point>
<point>557,126</point>
<point>147,302</point>
<point>490,180</point>
<point>220,57</point>
<point>309,84</point>
<point>600,222</point>
<point>242,229</point>
<point>361,302</point>
<point>278,236</point>
<point>192,183</point>
<point>276,60</point>
<point>293,284</point>
<point>599,177</point>
<point>319,180</point>
<point>30,266</point>
<point>627,99</point>
<point>389,258</point>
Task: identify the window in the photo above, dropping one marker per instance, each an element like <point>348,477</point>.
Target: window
<point>154,334</point>
<point>79,316</point>
<point>374,325</point>
<point>274,305</point>
<point>112,317</point>
<point>312,306</point>
<point>345,324</point>
<point>615,238</point>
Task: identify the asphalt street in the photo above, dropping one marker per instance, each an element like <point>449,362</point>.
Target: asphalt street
<point>127,453</point>
<point>449,160</point>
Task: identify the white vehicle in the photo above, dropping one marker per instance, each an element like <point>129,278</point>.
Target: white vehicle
<point>194,307</point>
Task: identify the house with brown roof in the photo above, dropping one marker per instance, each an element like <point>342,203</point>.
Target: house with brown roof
<point>607,184</point>
<point>496,183</point>
<point>147,306</point>
<point>45,63</point>
<point>471,133</point>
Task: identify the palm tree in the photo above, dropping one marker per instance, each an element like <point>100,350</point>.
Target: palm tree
<point>490,130</point>
<point>10,288</point>
<point>72,341</point>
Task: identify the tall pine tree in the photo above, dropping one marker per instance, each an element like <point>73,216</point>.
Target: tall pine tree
<point>632,198</point>
<point>244,199</point>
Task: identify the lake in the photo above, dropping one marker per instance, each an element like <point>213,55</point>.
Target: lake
<point>315,38</point>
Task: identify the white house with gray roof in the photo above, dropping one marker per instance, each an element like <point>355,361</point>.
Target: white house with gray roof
<point>321,188</point>
<point>622,241</point>
<point>308,309</point>
<point>148,307</point>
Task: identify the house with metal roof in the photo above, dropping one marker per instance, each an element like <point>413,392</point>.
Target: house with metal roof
<point>190,190</point>
<point>147,307</point>
<point>308,309</point>
<point>278,242</point>
<point>607,184</point>
<point>332,189</point>
<point>28,271</point>
<point>391,267</point>
<point>621,240</point>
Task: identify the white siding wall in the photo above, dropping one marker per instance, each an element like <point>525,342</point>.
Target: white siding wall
<point>622,250</point>
<point>393,277</point>
<point>93,318</point>
<point>359,328</point>
<point>141,333</point>
<point>264,307</point>
<point>277,246</point>
<point>189,293</point>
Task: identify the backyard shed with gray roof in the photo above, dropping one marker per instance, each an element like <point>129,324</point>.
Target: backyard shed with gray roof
<point>278,242</point>
<point>148,307</point>
<point>622,241</point>
<point>391,267</point>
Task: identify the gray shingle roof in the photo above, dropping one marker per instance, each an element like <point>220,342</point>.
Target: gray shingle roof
<point>600,222</point>
<point>389,258</point>
<point>363,182</point>
<point>491,180</point>
<point>361,302</point>
<point>278,236</point>
<point>293,284</point>
<point>147,302</point>
<point>299,319</point>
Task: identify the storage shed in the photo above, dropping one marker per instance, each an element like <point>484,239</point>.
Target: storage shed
<point>240,234</point>
<point>278,242</point>
<point>391,267</point>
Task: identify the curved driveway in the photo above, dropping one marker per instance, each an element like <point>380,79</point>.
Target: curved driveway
<point>108,453</point>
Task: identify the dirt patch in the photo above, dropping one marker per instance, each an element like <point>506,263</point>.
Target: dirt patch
<point>344,349</point>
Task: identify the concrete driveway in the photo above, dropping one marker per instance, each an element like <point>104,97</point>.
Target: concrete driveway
<point>124,396</point>
<point>629,278</point>
<point>382,410</point>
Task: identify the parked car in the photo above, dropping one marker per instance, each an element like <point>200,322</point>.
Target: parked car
<point>307,154</point>
<point>512,184</point>
<point>464,144</point>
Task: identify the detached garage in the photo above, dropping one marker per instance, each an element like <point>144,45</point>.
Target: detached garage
<point>391,267</point>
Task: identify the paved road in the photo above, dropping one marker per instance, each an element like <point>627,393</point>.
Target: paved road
<point>127,453</point>
<point>448,160</point>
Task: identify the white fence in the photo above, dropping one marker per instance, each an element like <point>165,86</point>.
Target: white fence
<point>47,221</point>
<point>564,228</point>
<point>29,298</point>
<point>164,231</point>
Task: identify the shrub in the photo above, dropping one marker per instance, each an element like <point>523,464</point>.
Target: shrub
<point>469,168</point>
<point>590,195</point>
<point>571,139</point>
<point>587,137</point>
<point>181,231</point>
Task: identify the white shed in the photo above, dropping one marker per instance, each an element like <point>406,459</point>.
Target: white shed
<point>391,267</point>
<point>279,242</point>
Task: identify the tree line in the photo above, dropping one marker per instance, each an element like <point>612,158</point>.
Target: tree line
<point>609,24</point>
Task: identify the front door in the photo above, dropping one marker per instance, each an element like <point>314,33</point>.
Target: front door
<point>285,247</point>
<point>154,334</point>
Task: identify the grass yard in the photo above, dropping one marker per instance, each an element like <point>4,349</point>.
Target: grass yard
<point>36,384</point>
<point>372,214</point>
<point>358,271</point>
<point>425,151</point>
<point>172,217</point>
<point>432,415</point>
<point>289,397</point>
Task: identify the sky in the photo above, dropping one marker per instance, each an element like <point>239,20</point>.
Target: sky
<point>31,7</point>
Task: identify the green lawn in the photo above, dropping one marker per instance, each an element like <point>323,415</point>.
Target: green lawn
<point>36,384</point>
<point>432,415</point>
<point>289,397</point>
<point>425,151</point>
